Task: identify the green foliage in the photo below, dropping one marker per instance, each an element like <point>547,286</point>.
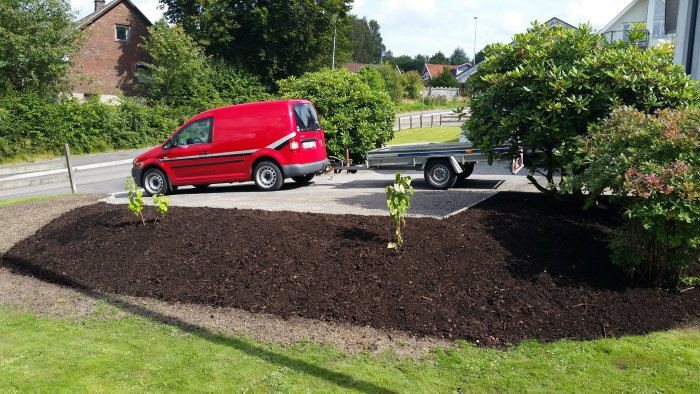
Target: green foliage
<point>459,57</point>
<point>181,75</point>
<point>392,82</point>
<point>444,80</point>
<point>552,83</point>
<point>36,39</point>
<point>459,111</point>
<point>411,85</point>
<point>438,58</point>
<point>136,202</point>
<point>273,39</point>
<point>162,204</point>
<point>398,199</point>
<point>31,125</point>
<point>652,164</point>
<point>367,41</point>
<point>348,105</point>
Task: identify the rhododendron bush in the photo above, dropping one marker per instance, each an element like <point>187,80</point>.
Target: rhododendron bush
<point>651,163</point>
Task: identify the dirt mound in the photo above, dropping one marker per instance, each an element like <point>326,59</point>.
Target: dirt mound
<point>517,266</point>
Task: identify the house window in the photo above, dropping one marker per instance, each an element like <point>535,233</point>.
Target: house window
<point>659,19</point>
<point>121,33</point>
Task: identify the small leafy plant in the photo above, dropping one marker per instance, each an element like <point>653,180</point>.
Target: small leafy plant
<point>459,111</point>
<point>398,199</point>
<point>136,202</point>
<point>161,203</point>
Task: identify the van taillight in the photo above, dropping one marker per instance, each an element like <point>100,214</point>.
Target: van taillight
<point>293,145</point>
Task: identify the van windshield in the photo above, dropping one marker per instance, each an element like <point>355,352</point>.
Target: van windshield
<point>306,117</point>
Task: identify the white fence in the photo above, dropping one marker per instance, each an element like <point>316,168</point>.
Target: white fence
<point>449,94</point>
<point>432,120</point>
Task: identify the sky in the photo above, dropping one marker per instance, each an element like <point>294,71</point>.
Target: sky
<point>411,27</point>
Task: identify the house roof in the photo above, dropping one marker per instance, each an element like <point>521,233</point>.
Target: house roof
<point>617,18</point>
<point>90,19</point>
<point>557,21</point>
<point>436,69</point>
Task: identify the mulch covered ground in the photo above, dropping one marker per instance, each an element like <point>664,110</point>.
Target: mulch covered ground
<point>517,266</point>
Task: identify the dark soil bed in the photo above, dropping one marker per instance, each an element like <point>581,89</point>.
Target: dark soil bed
<point>517,266</point>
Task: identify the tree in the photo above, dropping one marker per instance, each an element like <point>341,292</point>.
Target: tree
<point>411,83</point>
<point>354,116</point>
<point>404,63</point>
<point>458,57</point>
<point>367,40</point>
<point>181,74</point>
<point>551,84</point>
<point>438,58</point>
<point>445,79</point>
<point>271,38</point>
<point>37,38</point>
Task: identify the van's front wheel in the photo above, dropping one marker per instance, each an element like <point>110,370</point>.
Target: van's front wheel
<point>268,176</point>
<point>155,182</point>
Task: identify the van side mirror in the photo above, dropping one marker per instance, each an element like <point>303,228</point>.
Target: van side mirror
<point>171,143</point>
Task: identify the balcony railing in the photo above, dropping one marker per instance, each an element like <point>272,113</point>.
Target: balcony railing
<point>623,35</point>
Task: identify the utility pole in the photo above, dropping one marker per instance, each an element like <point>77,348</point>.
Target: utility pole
<point>475,22</point>
<point>335,21</point>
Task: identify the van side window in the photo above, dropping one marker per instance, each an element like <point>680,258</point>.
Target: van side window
<point>306,117</point>
<point>197,132</point>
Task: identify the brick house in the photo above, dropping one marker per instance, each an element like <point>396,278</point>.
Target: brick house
<point>107,61</point>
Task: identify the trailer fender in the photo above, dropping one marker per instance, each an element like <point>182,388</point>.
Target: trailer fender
<point>455,164</point>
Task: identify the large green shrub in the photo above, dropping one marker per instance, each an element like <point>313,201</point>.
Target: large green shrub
<point>354,116</point>
<point>551,83</point>
<point>652,164</point>
<point>29,124</point>
<point>180,74</point>
<point>411,85</point>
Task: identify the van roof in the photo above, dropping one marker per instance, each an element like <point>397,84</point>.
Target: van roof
<point>259,104</point>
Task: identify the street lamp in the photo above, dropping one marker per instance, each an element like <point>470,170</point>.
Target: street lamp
<point>475,22</point>
<point>335,20</point>
<point>422,104</point>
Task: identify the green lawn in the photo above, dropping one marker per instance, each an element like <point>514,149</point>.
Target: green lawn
<point>98,354</point>
<point>427,134</point>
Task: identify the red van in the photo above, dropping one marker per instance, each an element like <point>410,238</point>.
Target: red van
<point>265,142</point>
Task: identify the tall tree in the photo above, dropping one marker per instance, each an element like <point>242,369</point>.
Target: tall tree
<point>271,38</point>
<point>438,58</point>
<point>459,56</point>
<point>404,63</point>
<point>37,38</point>
<point>367,41</point>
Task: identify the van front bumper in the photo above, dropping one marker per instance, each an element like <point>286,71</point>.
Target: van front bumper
<point>304,169</point>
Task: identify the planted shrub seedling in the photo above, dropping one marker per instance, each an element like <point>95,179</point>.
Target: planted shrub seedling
<point>135,199</point>
<point>161,203</point>
<point>398,199</point>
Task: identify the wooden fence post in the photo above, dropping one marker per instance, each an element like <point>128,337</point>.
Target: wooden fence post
<point>432,118</point>
<point>440,119</point>
<point>70,170</point>
<point>399,124</point>
<point>411,122</point>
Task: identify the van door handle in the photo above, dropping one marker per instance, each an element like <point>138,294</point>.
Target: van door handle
<point>205,152</point>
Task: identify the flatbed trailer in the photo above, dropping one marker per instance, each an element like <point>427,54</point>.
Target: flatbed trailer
<point>443,164</point>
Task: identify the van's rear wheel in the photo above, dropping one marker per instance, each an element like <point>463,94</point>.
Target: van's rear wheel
<point>439,174</point>
<point>155,182</point>
<point>268,176</point>
<point>303,178</point>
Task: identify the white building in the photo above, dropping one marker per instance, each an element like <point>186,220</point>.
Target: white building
<point>649,12</point>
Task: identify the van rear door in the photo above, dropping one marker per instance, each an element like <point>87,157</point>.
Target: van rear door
<point>311,138</point>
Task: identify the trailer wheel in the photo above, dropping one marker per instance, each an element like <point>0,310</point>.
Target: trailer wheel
<point>466,171</point>
<point>439,174</point>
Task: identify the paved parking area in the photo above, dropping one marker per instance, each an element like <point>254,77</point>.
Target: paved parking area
<point>361,194</point>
